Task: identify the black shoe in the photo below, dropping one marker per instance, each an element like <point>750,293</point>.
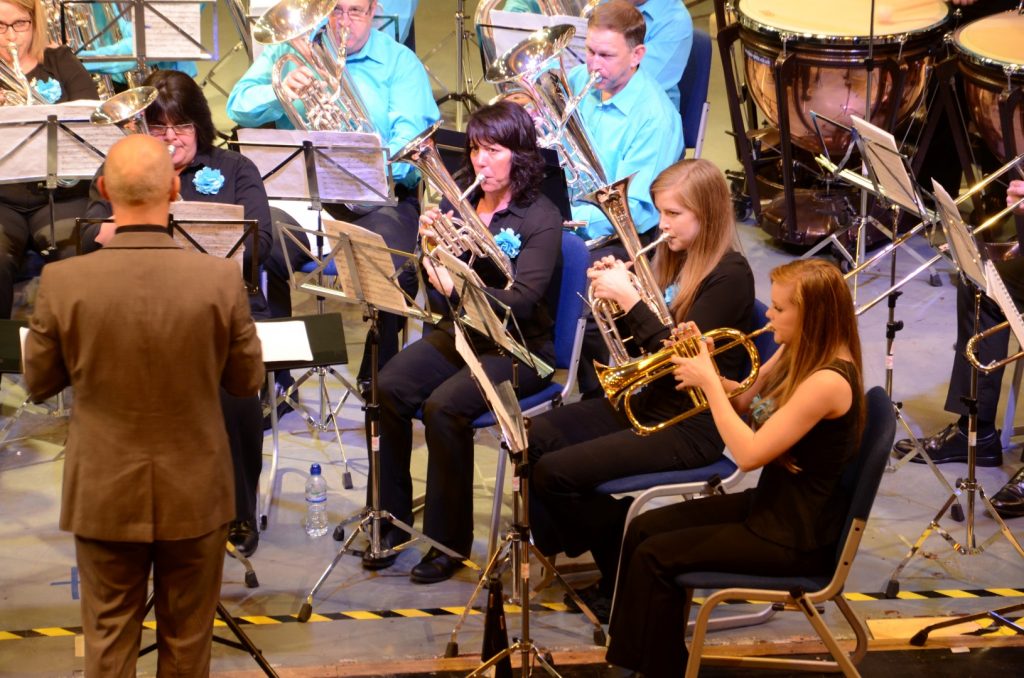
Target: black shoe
<point>388,540</point>
<point>1009,500</point>
<point>436,566</point>
<point>950,446</point>
<point>599,602</point>
<point>243,534</point>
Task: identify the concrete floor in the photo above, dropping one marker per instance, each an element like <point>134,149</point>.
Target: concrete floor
<point>377,624</point>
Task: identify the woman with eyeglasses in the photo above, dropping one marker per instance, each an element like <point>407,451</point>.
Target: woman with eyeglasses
<point>180,117</point>
<point>54,75</point>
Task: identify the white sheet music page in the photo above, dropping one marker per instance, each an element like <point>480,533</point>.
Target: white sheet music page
<point>284,341</point>
<point>886,162</point>
<point>962,245</point>
<point>216,239</point>
<point>997,291</point>
<point>164,41</point>
<point>506,411</point>
<point>374,268</point>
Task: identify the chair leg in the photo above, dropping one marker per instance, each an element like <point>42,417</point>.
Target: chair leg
<point>842,660</point>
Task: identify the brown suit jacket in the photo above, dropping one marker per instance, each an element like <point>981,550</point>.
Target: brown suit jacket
<point>145,333</point>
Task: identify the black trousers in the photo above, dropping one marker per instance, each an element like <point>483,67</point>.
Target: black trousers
<point>398,226</point>
<point>20,230</point>
<point>575,448</point>
<point>648,624</point>
<point>993,348</point>
<point>243,418</point>
<point>429,374</point>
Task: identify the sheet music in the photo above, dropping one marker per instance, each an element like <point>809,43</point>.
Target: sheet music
<point>374,267</point>
<point>962,245</point>
<point>164,41</point>
<point>284,341</point>
<point>511,28</point>
<point>340,157</point>
<point>216,239</point>
<point>886,162</point>
<point>23,146</point>
<point>501,398</point>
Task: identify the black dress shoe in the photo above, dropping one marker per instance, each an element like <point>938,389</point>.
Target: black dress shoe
<point>950,445</point>
<point>436,566</point>
<point>243,534</point>
<point>1009,500</point>
<point>599,602</point>
<point>390,539</point>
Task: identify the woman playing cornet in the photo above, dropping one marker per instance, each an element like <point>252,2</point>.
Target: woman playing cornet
<point>806,417</point>
<point>573,449</point>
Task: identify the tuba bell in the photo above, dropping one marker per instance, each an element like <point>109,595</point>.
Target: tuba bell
<point>331,101</point>
<point>524,67</point>
<point>455,235</point>
<point>126,110</point>
<point>622,382</point>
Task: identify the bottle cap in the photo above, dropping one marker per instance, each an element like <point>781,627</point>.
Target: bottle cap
<point>314,470</point>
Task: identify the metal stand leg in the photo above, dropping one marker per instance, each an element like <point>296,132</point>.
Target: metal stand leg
<point>463,94</point>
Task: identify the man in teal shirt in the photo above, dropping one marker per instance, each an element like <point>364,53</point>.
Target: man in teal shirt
<point>668,39</point>
<point>635,129</point>
<point>393,85</point>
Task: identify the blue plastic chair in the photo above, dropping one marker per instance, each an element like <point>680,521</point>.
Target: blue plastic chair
<point>693,92</point>
<point>859,482</point>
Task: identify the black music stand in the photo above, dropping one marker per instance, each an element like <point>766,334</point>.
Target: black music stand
<point>981,274</point>
<point>366,276</point>
<point>319,167</point>
<point>326,337</point>
<point>476,311</point>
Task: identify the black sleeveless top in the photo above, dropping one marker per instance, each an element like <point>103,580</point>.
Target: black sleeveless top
<point>802,510</point>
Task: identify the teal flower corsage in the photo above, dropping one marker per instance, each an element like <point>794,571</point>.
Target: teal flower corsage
<point>208,181</point>
<point>670,293</point>
<point>761,409</point>
<point>509,242</point>
<point>49,89</point>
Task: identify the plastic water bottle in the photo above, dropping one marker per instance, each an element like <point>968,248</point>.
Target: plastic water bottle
<point>316,503</point>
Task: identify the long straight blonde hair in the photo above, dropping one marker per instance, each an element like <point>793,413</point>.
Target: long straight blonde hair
<point>700,187</point>
<point>827,323</point>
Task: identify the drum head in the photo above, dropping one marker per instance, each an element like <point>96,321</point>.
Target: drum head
<point>835,21</point>
<point>997,40</point>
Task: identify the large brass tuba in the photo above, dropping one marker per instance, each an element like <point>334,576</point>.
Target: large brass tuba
<point>622,382</point>
<point>613,201</point>
<point>88,26</point>
<point>126,110</point>
<point>454,235</point>
<point>331,101</point>
<point>525,67</point>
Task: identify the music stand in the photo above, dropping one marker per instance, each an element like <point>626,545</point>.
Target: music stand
<point>476,312</point>
<point>55,145</point>
<point>981,274</point>
<point>318,167</point>
<point>464,92</point>
<point>366,276</point>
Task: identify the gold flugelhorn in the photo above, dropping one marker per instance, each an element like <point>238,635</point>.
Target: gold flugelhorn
<point>455,235</point>
<point>622,382</point>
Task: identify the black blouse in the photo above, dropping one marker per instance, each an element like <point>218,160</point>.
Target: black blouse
<point>537,269</point>
<point>60,64</point>
<point>800,510</point>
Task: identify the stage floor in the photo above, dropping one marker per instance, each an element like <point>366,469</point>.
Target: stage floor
<point>382,624</point>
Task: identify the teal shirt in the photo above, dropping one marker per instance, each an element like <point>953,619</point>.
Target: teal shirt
<point>126,45</point>
<point>528,6</point>
<point>637,130</point>
<point>669,38</point>
<point>389,78</point>
<point>405,10</point>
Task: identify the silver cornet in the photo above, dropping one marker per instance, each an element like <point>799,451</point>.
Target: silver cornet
<point>468,234</point>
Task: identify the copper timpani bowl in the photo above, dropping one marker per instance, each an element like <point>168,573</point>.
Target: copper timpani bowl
<point>829,42</point>
<point>991,53</point>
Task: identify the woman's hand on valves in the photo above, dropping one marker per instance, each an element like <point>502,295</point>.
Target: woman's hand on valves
<point>698,371</point>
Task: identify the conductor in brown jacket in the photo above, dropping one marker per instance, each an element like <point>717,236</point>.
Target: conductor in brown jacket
<point>145,333</point>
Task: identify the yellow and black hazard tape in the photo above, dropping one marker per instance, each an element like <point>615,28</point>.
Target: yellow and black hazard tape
<point>420,613</point>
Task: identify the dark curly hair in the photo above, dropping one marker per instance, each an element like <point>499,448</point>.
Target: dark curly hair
<point>508,124</point>
<point>179,101</point>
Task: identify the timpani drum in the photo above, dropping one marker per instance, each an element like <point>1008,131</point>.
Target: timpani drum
<point>829,43</point>
<point>991,52</point>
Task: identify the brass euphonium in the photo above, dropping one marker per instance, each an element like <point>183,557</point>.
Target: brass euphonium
<point>455,235</point>
<point>613,201</point>
<point>126,110</point>
<point>622,382</point>
<point>580,8</point>
<point>525,67</point>
<point>331,101</point>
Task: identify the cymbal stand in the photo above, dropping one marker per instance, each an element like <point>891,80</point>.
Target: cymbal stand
<point>464,92</point>
<point>968,485</point>
<point>514,553</point>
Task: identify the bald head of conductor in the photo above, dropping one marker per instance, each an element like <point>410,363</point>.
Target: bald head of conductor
<point>139,181</point>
